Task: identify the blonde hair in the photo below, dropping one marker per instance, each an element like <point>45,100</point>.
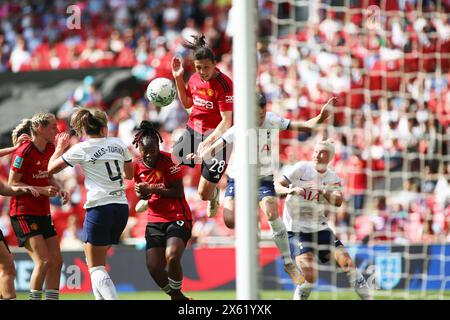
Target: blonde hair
<point>91,121</point>
<point>29,126</point>
<point>327,145</point>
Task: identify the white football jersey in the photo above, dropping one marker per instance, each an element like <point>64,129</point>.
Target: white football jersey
<point>102,160</point>
<point>267,144</point>
<point>306,213</point>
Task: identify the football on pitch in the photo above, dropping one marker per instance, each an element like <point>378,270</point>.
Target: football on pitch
<point>161,92</point>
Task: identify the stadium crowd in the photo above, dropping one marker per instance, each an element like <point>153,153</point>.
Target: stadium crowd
<point>391,124</point>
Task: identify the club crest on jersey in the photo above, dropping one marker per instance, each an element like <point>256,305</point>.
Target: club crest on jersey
<point>388,270</point>
<point>210,92</point>
<point>18,162</point>
<point>175,169</point>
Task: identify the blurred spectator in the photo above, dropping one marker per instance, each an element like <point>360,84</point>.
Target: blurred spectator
<point>72,235</point>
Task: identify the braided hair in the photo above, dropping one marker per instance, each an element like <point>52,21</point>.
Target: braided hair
<point>146,134</point>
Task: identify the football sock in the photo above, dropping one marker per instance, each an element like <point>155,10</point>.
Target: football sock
<point>166,289</point>
<point>303,291</point>
<point>97,293</point>
<point>280,237</point>
<point>175,285</point>
<point>102,282</point>
<point>358,282</point>
<point>35,294</point>
<point>51,294</point>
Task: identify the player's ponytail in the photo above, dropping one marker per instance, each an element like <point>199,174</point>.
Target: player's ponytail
<point>146,134</point>
<point>21,128</point>
<point>201,50</point>
<point>90,121</point>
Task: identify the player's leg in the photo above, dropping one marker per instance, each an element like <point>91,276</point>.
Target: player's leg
<point>156,266</point>
<point>102,285</point>
<point>155,255</point>
<point>354,276</point>
<point>269,205</point>
<point>178,235</point>
<point>7,272</point>
<point>228,212</point>
<point>55,262</point>
<point>53,276</point>
<point>212,171</point>
<point>174,252</point>
<point>37,249</point>
<point>228,204</point>
<point>307,263</point>
<point>102,227</point>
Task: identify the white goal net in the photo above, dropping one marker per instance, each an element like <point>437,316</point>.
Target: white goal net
<point>388,64</point>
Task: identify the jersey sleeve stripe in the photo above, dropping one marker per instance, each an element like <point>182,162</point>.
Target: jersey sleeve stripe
<point>287,179</point>
<point>66,161</point>
<point>223,83</point>
<point>289,125</point>
<point>165,158</point>
<point>28,149</point>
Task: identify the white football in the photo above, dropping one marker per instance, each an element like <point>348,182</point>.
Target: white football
<point>141,206</point>
<point>161,92</point>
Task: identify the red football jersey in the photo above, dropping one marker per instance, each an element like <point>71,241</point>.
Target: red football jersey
<point>162,209</point>
<point>32,164</point>
<point>209,99</point>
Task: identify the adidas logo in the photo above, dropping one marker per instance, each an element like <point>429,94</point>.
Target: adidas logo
<point>217,176</point>
<point>38,163</point>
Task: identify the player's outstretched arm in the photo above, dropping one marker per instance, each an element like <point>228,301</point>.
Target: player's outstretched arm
<point>178,73</point>
<point>307,126</point>
<point>56,163</point>
<point>283,186</point>
<point>129,170</point>
<point>207,153</point>
<point>224,125</point>
<point>23,138</point>
<point>334,197</point>
<point>6,190</point>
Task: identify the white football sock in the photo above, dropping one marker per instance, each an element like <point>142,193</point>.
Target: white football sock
<point>102,283</point>
<point>280,237</point>
<point>303,291</point>
<point>358,282</point>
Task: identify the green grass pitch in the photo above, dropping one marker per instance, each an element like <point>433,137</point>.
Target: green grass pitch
<point>266,295</point>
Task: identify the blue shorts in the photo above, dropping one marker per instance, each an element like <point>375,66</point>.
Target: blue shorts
<point>266,188</point>
<point>103,225</point>
<point>317,242</point>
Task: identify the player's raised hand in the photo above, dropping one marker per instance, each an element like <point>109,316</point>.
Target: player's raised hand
<point>52,191</point>
<point>141,190</point>
<point>23,138</point>
<point>64,196</point>
<point>177,67</point>
<point>62,140</point>
<point>325,112</point>
<point>203,148</point>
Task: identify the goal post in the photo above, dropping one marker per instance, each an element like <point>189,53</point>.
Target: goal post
<point>244,83</point>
